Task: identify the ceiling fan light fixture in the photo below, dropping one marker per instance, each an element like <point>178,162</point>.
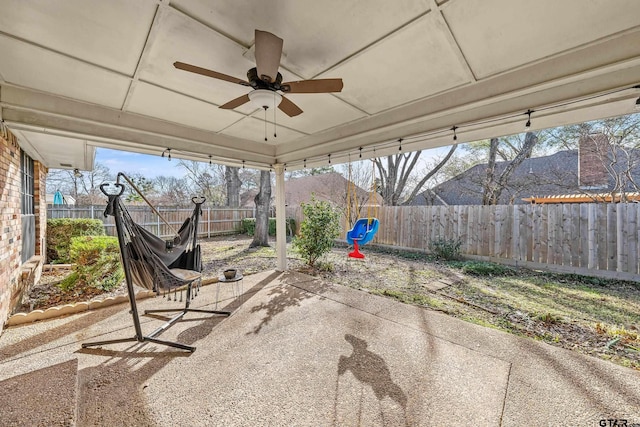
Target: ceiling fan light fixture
<point>264,98</point>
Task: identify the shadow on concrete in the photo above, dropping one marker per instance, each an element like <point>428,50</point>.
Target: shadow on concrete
<point>61,331</point>
<point>283,297</point>
<point>370,369</point>
<point>119,382</point>
<point>44,397</point>
<point>372,372</point>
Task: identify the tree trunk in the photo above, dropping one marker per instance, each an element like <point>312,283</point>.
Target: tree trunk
<point>489,185</point>
<point>233,186</point>
<point>530,140</point>
<point>263,201</point>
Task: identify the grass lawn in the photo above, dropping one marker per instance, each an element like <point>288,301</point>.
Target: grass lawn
<point>594,316</point>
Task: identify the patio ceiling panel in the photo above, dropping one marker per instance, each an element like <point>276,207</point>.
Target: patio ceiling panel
<point>321,111</point>
<point>317,34</point>
<point>109,34</point>
<point>524,31</point>
<point>156,102</point>
<point>180,38</point>
<point>253,129</point>
<point>410,64</point>
<point>27,65</point>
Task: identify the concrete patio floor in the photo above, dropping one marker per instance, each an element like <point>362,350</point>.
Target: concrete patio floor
<point>297,352</point>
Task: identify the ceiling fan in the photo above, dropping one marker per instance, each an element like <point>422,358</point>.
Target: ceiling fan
<point>265,79</point>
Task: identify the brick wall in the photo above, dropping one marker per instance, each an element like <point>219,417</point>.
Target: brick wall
<point>10,221</point>
<point>593,151</point>
<point>15,277</point>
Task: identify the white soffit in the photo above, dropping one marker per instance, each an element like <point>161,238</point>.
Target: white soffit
<point>523,31</point>
<point>410,64</point>
<point>56,151</point>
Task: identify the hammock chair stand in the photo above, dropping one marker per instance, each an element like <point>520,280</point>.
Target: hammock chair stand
<point>191,279</point>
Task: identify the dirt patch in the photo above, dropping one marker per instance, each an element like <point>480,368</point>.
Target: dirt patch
<point>47,293</point>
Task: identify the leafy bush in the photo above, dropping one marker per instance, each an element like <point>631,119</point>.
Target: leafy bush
<point>249,226</point>
<point>97,263</point>
<point>61,230</point>
<point>481,268</point>
<point>445,249</point>
<point>318,230</point>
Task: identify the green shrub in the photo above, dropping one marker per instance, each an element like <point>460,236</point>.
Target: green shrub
<point>445,249</point>
<point>97,263</point>
<point>317,231</point>
<point>249,226</point>
<point>481,268</point>
<point>61,230</point>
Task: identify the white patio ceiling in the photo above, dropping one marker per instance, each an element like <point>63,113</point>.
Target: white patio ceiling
<point>100,73</point>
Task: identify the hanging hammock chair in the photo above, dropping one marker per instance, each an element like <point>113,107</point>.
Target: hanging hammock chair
<point>163,266</point>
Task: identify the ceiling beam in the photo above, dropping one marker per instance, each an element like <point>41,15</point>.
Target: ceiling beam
<point>50,112</point>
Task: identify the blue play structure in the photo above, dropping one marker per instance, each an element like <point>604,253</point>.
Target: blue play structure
<point>362,232</point>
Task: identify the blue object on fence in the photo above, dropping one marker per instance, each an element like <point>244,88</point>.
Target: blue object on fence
<point>57,198</point>
<point>363,231</point>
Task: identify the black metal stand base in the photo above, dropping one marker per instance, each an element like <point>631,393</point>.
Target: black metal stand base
<point>164,327</point>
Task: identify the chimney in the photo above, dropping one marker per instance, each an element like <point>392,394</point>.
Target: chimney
<point>593,152</point>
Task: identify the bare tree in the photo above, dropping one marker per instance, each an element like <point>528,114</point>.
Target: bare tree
<point>494,188</point>
<point>208,179</point>
<point>394,176</point>
<point>91,182</point>
<point>263,202</point>
<point>171,190</point>
<point>85,188</point>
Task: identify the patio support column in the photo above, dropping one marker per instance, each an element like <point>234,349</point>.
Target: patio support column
<point>281,232</point>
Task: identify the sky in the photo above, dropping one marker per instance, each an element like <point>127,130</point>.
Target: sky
<point>152,166</point>
<point>145,164</point>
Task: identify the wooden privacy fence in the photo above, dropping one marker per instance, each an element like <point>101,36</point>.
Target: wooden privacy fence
<point>598,239</point>
<point>214,221</point>
<point>578,238</point>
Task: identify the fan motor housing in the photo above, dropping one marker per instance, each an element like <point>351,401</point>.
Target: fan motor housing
<point>259,83</point>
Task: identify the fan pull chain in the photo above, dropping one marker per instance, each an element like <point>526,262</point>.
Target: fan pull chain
<point>180,295</point>
<point>265,123</point>
<point>274,115</point>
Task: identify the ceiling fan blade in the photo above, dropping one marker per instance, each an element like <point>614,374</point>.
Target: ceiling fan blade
<point>235,102</point>
<point>313,86</point>
<point>268,54</point>
<point>289,108</point>
<point>209,73</point>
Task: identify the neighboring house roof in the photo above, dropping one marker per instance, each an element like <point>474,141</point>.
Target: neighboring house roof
<point>331,187</point>
<point>556,174</point>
